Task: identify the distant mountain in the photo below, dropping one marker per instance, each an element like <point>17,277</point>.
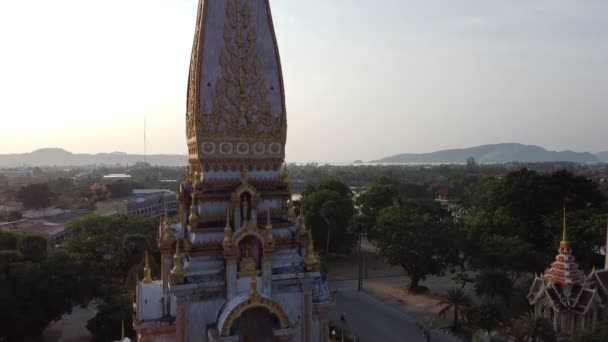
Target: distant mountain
<point>61,157</point>
<point>602,156</point>
<point>498,153</point>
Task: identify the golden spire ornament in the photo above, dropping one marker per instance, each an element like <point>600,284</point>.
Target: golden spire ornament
<point>253,291</point>
<point>147,270</point>
<point>177,272</point>
<point>227,243</point>
<point>311,262</point>
<point>193,219</point>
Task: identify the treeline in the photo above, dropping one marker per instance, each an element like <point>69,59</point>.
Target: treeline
<point>495,234</point>
<point>101,259</point>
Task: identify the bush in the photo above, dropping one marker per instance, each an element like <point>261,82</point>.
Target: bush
<point>33,247</point>
<point>8,240</point>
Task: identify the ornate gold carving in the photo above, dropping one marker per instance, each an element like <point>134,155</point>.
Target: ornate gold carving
<point>193,77</point>
<point>240,104</point>
<point>255,300</point>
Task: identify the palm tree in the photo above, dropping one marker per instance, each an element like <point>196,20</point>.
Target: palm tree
<point>492,283</point>
<point>456,300</point>
<point>426,324</point>
<point>585,336</point>
<point>535,328</point>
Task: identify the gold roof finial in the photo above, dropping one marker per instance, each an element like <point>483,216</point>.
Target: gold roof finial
<point>160,229</point>
<point>122,331</point>
<point>302,228</point>
<point>177,272</point>
<point>181,214</point>
<point>197,180</point>
<point>147,270</point>
<point>193,218</point>
<point>310,260</point>
<point>269,237</point>
<point>227,231</point>
<point>563,245</point>
<point>268,222</point>
<point>168,236</point>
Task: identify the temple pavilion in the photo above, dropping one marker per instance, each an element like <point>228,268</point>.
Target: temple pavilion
<point>568,298</point>
<point>238,265</point>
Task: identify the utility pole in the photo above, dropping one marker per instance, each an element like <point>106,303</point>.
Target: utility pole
<point>360,282</point>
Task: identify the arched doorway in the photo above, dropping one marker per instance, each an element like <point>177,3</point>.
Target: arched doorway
<point>256,324</point>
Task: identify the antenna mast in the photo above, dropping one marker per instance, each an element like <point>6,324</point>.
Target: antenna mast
<point>145,151</point>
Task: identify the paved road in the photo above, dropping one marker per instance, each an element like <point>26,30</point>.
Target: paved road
<point>373,320</point>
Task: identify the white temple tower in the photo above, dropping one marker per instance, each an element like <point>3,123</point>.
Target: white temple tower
<point>238,266</point>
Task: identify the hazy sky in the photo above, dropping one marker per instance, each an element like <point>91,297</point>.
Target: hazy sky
<point>363,79</point>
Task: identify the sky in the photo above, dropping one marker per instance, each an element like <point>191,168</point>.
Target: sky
<point>363,79</point>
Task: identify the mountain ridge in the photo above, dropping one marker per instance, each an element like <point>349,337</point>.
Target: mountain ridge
<point>490,153</point>
<point>60,157</point>
<point>495,153</point>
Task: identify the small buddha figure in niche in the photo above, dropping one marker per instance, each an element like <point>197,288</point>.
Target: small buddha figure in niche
<point>248,265</point>
<point>245,208</point>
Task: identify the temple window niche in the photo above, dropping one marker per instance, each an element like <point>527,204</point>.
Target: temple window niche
<point>250,257</point>
<point>245,208</point>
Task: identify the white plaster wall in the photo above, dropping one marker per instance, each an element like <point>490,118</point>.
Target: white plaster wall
<point>316,330</point>
<point>243,285</point>
<point>210,208</point>
<point>200,314</point>
<point>236,175</point>
<point>271,174</point>
<point>221,175</point>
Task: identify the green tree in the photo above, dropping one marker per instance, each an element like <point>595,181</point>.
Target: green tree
<point>585,335</point>
<point>35,196</point>
<point>491,283</point>
<point>35,289</point>
<point>455,301</point>
<point>33,247</point>
<point>534,328</point>
<point>371,201</point>
<point>329,206</point>
<point>418,236</point>
<point>107,324</point>
<point>487,316</point>
<point>119,189</point>
<point>109,246</point>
